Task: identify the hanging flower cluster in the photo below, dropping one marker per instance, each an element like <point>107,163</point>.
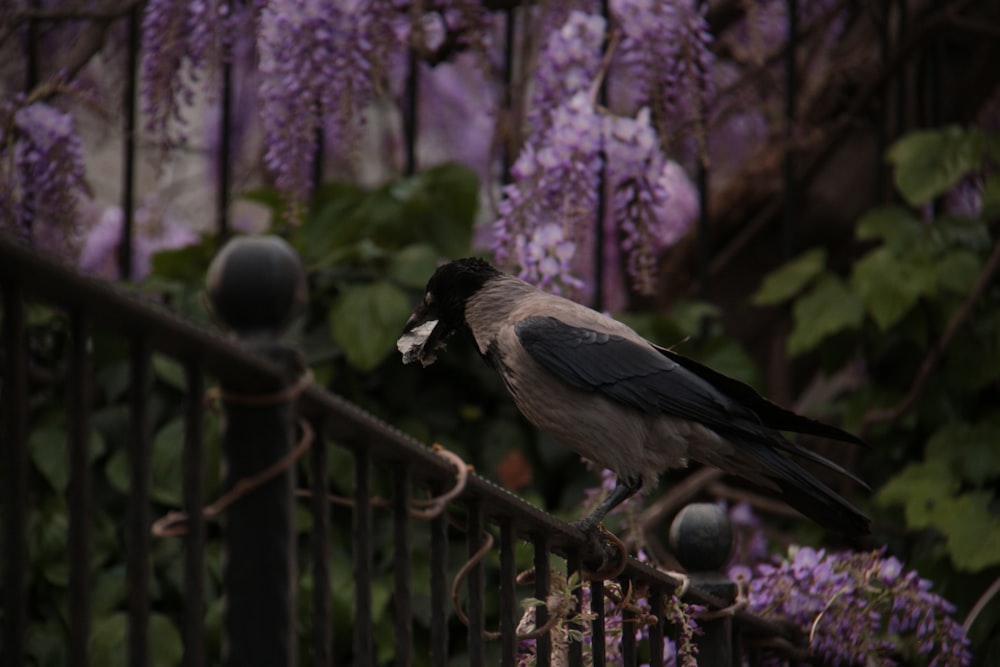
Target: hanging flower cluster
<point>556,180</point>
<point>860,608</point>
<point>45,181</point>
<point>181,41</point>
<point>667,51</point>
<point>315,75</point>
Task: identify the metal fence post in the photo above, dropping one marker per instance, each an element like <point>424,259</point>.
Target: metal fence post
<point>257,286</point>
<point>701,538</point>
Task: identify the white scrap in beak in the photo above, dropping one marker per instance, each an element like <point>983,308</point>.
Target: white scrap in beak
<point>411,344</point>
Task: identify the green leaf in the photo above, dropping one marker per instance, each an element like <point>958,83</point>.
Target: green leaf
<point>991,197</point>
<point>920,488</point>
<point>972,531</point>
<point>828,308</point>
<point>187,265</point>
<point>109,641</point>
<point>689,317</point>
<point>442,208</point>
<point>886,223</point>
<point>413,265</point>
<point>957,271</point>
<point>889,285</point>
<point>49,447</point>
<point>365,321</point>
<point>170,372</point>
<point>787,281</point>
<point>167,463</point>
<point>929,163</point>
<point>968,449</point>
<point>335,225</point>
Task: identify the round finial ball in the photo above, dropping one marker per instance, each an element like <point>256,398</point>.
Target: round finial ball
<point>701,537</point>
<point>257,285</point>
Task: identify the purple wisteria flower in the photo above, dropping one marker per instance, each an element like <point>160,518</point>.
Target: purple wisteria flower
<point>182,39</point>
<point>654,203</point>
<point>156,228</point>
<point>315,72</point>
<point>561,602</point>
<point>47,181</point>
<point>567,65</point>
<point>859,608</point>
<point>554,184</point>
<point>557,177</point>
<point>666,49</point>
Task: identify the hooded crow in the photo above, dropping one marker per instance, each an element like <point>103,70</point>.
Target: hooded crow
<point>635,408</point>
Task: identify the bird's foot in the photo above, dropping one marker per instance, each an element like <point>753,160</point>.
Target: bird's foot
<point>604,556</point>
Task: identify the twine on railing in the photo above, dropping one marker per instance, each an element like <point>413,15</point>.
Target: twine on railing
<point>172,524</point>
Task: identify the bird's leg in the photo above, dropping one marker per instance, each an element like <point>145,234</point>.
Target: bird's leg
<point>604,553</point>
<point>624,489</point>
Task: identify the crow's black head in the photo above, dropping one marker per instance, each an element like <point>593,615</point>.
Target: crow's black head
<point>448,290</point>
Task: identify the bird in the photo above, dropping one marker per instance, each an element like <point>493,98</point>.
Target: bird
<point>628,405</point>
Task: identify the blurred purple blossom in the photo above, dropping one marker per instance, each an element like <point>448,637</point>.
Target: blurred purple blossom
<point>654,202</point>
<point>47,179</point>
<point>182,40</point>
<point>666,50</point>
<point>315,72</point>
<point>567,65</point>
<point>553,184</point>
<point>859,608</point>
<point>156,228</point>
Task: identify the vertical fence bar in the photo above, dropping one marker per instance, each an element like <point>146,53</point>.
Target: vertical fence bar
<point>411,110</point>
<point>321,612</point>
<point>403,534</point>
<point>15,475</point>
<point>259,621</point>
<point>508,594</point>
<point>598,644</point>
<point>31,78</point>
<point>629,646</point>
<point>194,500</point>
<point>439,587</point>
<point>225,150</point>
<point>656,656</point>
<point>602,182</point>
<point>138,539</point>
<point>881,183</point>
<point>629,653</point>
<point>574,566</point>
<point>78,493</point>
<point>902,28</point>
<point>788,216</point>
<point>476,585</point>
<point>260,548</point>
<point>543,583</point>
<point>361,532</point>
<point>129,144</point>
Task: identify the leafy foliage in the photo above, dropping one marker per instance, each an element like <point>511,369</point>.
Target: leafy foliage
<point>936,462</point>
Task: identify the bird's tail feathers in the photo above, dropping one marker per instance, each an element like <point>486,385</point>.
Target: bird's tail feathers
<point>804,492</point>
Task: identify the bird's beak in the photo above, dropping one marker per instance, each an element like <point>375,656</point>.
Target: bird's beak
<point>423,334</point>
<point>416,319</point>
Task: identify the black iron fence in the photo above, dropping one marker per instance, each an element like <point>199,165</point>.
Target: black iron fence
<point>272,416</point>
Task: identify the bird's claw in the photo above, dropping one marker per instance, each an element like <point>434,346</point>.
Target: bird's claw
<point>604,556</point>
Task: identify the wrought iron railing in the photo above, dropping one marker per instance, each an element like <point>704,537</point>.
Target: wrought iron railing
<point>265,397</point>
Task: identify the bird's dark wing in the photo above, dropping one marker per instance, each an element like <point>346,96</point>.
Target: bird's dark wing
<point>656,381</point>
<point>770,414</point>
<point>629,372</point>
